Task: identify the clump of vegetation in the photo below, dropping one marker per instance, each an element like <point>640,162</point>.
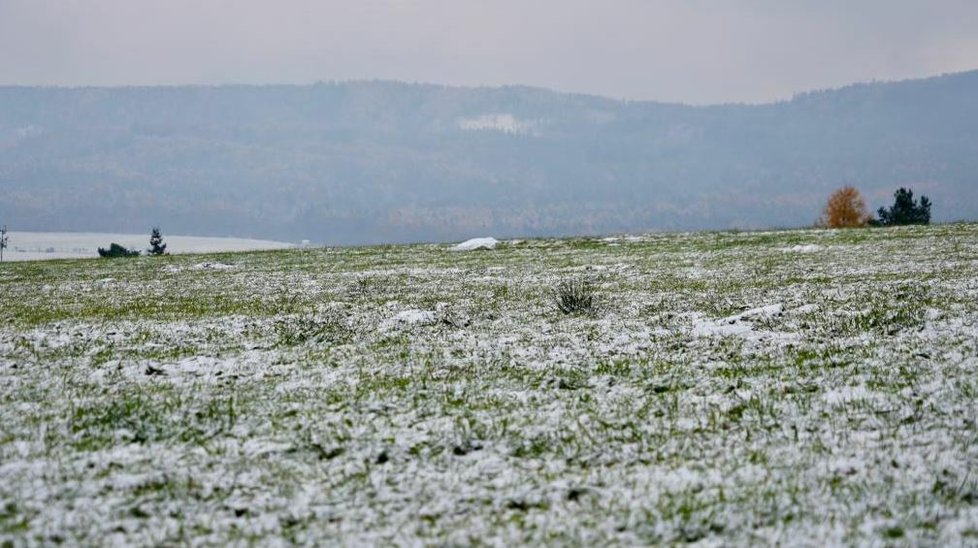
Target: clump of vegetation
<point>887,312</point>
<point>361,287</point>
<point>845,209</point>
<point>116,250</point>
<point>302,329</point>
<point>137,417</point>
<point>156,245</point>
<point>905,210</point>
<point>574,297</point>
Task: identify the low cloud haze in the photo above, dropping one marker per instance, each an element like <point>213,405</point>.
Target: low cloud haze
<point>693,51</point>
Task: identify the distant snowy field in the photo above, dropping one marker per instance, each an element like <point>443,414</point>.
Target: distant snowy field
<point>32,246</point>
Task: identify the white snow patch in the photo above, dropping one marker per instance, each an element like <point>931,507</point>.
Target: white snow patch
<point>808,248</point>
<point>415,316</point>
<point>769,311</point>
<point>409,317</point>
<point>214,266</point>
<point>503,122</point>
<point>845,394</point>
<point>256,448</point>
<point>476,243</point>
<point>740,325</point>
<point>719,328</point>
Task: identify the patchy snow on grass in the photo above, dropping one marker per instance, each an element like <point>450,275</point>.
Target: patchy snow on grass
<point>720,392</point>
<point>743,325</point>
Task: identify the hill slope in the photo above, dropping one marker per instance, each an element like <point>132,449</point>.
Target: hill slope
<point>377,161</point>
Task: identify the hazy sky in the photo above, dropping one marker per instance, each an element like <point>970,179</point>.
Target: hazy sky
<point>695,51</point>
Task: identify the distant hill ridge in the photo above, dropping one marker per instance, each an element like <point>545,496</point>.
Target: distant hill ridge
<point>366,162</point>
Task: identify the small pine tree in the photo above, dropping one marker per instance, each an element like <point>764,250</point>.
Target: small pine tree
<point>845,209</point>
<point>157,247</point>
<point>3,241</point>
<point>905,210</point>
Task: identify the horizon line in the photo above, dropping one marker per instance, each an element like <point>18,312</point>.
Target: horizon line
<point>354,81</point>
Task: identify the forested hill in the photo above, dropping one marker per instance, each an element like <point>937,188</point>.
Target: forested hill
<point>387,162</point>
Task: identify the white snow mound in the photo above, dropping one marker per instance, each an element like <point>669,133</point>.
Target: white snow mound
<point>741,325</point>
<point>214,266</point>
<point>476,243</point>
<point>810,248</point>
<point>414,316</point>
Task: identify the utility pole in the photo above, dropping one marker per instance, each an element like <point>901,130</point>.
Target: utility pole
<point>3,241</point>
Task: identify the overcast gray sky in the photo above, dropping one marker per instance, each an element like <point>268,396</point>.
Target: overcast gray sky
<point>694,51</point>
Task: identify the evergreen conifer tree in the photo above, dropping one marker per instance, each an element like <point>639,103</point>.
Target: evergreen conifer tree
<point>905,210</point>
<point>3,241</point>
<point>157,247</point>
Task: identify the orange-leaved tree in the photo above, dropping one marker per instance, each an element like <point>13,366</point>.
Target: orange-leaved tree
<point>845,209</point>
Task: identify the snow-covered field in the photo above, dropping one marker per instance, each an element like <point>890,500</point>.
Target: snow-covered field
<point>32,246</point>
<point>799,387</point>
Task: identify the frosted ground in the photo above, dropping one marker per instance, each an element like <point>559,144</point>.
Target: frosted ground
<point>33,246</point>
<point>799,387</point>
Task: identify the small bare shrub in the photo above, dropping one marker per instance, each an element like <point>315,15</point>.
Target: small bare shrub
<point>574,297</point>
<point>307,328</point>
